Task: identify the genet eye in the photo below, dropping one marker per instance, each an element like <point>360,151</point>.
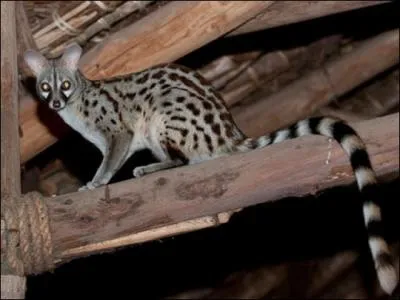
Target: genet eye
<point>45,87</point>
<point>65,85</point>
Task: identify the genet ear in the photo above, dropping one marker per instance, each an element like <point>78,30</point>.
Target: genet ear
<point>36,61</point>
<point>71,57</point>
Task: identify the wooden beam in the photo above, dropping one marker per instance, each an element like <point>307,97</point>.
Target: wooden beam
<point>13,286</point>
<point>309,93</point>
<point>167,34</point>
<point>85,219</point>
<point>10,161</point>
<point>288,12</point>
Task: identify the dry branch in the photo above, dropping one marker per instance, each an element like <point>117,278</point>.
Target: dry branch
<point>309,93</point>
<point>12,285</point>
<point>101,24</point>
<point>167,34</point>
<point>287,12</point>
<point>132,207</point>
<point>61,27</point>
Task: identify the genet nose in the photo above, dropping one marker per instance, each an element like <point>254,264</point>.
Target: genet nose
<point>56,104</point>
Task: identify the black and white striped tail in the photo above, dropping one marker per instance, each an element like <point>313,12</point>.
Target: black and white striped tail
<point>364,174</point>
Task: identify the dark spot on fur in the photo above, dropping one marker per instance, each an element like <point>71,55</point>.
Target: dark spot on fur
<point>166,104</point>
<point>216,129</point>
<point>183,131</point>
<point>109,98</point>
<point>193,109</point>
<point>199,128</point>
<point>158,74</point>
<point>86,113</point>
<point>142,91</point>
<point>94,104</point>
<point>178,118</point>
<point>113,121</point>
<point>166,92</point>
<point>180,99</point>
<point>207,105</point>
<point>118,92</point>
<point>103,110</point>
<point>208,118</point>
<point>142,79</point>
<point>130,96</point>
<point>229,130</point>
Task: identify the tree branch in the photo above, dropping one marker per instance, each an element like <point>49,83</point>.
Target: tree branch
<point>313,91</point>
<point>83,223</point>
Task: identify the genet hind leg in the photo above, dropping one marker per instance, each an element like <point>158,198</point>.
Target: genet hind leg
<point>163,154</point>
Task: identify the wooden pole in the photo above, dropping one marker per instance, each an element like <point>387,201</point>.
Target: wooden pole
<point>12,285</point>
<point>84,223</point>
<point>288,12</point>
<point>10,163</point>
<point>309,93</point>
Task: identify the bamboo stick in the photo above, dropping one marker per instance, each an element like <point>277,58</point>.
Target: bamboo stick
<point>167,34</point>
<point>102,23</point>
<point>288,12</point>
<point>304,96</point>
<point>71,23</point>
<point>12,285</point>
<point>140,206</point>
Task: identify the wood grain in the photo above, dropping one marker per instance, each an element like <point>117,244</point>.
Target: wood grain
<point>10,161</point>
<point>181,194</point>
<point>12,286</point>
<point>313,91</point>
<point>167,34</point>
<point>288,12</point>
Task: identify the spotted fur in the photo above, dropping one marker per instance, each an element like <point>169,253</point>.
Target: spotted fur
<point>175,113</point>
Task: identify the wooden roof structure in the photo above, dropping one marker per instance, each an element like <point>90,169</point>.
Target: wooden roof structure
<point>280,85</point>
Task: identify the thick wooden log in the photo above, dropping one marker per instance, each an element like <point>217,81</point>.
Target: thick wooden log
<point>288,12</point>
<point>12,285</point>
<point>309,93</point>
<point>166,35</point>
<point>92,218</point>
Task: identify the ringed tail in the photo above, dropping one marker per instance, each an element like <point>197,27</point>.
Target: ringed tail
<point>365,177</point>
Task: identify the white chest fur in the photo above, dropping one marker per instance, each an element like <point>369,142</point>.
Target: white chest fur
<point>85,128</point>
